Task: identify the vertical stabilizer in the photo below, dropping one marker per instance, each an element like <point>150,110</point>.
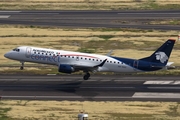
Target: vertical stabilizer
<point>162,54</point>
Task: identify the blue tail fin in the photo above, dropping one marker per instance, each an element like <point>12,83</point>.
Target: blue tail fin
<point>162,54</point>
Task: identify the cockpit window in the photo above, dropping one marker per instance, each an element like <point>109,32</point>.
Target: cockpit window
<point>16,49</point>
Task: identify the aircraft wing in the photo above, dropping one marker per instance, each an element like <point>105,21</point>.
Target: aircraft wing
<point>86,67</point>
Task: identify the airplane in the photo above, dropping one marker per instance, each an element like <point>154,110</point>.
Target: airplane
<point>69,61</point>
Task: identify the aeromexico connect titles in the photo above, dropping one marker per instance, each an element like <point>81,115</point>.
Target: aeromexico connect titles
<point>68,61</point>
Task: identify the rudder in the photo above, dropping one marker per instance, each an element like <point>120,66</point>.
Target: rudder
<point>162,54</point>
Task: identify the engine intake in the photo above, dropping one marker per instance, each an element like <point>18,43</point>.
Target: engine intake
<point>65,68</point>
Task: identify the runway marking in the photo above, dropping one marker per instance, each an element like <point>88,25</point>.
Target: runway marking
<point>127,80</point>
<point>4,16</point>
<point>8,79</point>
<point>151,13</point>
<point>163,82</point>
<point>8,11</point>
<point>51,74</point>
<point>41,13</point>
<point>155,95</point>
<point>89,80</point>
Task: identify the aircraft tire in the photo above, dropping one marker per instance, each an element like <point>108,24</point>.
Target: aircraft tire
<point>86,77</point>
<point>21,68</point>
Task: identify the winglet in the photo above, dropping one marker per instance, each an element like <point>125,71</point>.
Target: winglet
<point>172,39</point>
<point>100,65</point>
<point>110,52</point>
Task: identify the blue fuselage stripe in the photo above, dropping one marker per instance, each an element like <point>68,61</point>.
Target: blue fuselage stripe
<point>140,64</point>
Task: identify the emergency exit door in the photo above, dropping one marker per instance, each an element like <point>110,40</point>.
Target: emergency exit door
<point>135,64</point>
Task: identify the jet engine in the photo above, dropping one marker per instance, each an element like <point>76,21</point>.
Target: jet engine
<point>64,68</point>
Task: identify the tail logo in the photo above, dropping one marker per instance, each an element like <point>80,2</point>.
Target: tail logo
<point>161,56</point>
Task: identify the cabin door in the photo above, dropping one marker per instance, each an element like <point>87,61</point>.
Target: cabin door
<point>28,52</point>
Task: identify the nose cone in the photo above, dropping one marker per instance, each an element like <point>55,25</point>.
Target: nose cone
<point>6,55</point>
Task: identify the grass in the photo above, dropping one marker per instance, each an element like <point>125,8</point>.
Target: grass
<point>165,22</point>
<point>88,4</point>
<point>3,113</point>
<point>131,116</point>
<point>106,37</point>
<point>129,43</point>
<point>85,50</point>
<point>54,70</point>
<point>105,110</point>
<point>173,110</point>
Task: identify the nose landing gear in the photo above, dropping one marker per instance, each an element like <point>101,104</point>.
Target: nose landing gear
<point>22,66</point>
<point>86,76</point>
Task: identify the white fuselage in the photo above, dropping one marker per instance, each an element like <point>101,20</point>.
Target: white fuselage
<point>57,57</point>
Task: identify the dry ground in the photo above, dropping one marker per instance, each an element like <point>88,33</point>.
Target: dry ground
<point>126,43</point>
<point>65,110</point>
<point>88,4</point>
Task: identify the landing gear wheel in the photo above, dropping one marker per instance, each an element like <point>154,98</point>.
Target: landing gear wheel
<point>22,66</point>
<point>86,76</point>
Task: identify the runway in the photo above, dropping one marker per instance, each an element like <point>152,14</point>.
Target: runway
<point>98,88</point>
<point>106,88</point>
<point>80,19</point>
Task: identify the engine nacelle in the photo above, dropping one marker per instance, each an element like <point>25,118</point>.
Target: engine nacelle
<point>64,68</point>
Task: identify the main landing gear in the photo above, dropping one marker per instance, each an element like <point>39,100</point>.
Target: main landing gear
<point>86,76</point>
<point>22,66</point>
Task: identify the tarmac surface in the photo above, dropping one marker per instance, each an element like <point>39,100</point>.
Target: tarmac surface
<point>98,88</point>
<point>107,19</point>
